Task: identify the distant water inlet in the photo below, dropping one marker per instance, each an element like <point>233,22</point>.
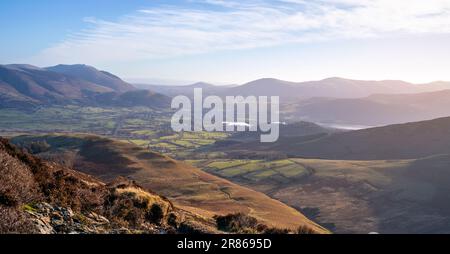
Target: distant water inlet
<point>236,113</point>
<point>349,127</point>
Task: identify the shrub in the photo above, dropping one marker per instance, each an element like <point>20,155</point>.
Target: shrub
<point>190,228</point>
<point>276,231</point>
<point>7,199</point>
<point>305,230</point>
<point>155,214</point>
<point>36,147</point>
<point>130,204</point>
<point>237,223</point>
<point>14,221</point>
<point>243,224</point>
<point>121,209</point>
<point>172,220</point>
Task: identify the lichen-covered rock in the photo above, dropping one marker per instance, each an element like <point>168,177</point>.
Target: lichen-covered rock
<point>50,219</point>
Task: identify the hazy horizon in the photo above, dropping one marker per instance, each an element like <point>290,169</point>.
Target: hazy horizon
<point>174,82</point>
<point>164,82</point>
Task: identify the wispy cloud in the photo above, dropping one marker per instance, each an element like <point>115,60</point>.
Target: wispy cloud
<point>170,31</point>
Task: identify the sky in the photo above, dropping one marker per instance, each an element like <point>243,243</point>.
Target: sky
<point>233,42</point>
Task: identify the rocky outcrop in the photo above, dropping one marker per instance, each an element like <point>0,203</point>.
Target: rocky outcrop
<point>49,219</point>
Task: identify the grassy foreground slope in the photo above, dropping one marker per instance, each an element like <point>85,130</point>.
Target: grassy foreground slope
<point>187,186</point>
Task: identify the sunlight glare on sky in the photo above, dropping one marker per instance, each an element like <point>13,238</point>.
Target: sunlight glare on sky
<point>234,41</point>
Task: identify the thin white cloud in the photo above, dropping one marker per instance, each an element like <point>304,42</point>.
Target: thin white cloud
<point>171,31</point>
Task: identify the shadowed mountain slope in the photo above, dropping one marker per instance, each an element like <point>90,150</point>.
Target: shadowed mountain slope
<point>401,141</point>
<point>26,86</point>
<point>93,75</point>
<point>331,87</point>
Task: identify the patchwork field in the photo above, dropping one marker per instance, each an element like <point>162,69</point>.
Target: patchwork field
<point>252,170</point>
<point>142,126</point>
<point>99,120</point>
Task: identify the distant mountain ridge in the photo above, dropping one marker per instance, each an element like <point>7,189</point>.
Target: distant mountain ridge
<point>374,110</point>
<point>332,87</point>
<point>287,90</point>
<point>326,101</point>
<point>187,90</point>
<point>400,141</point>
<point>93,75</point>
<point>24,86</point>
